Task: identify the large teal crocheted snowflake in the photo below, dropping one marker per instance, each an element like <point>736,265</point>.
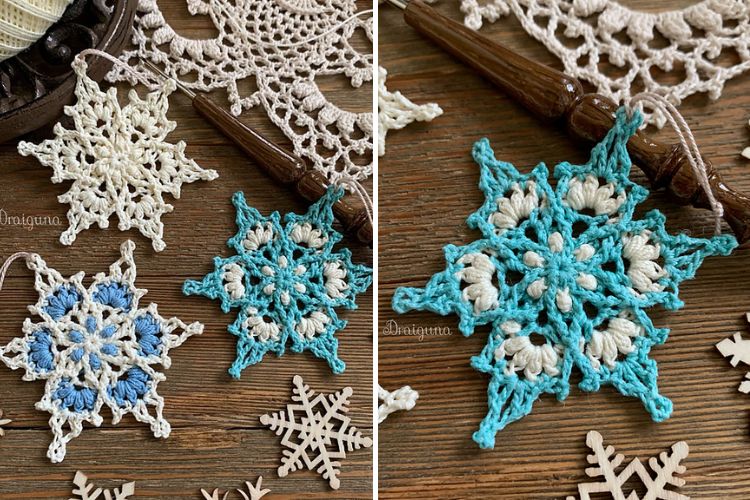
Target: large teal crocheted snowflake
<point>565,276</point>
<point>286,280</point>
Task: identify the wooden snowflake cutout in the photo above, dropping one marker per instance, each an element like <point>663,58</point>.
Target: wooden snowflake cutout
<point>396,111</point>
<point>118,160</point>
<point>656,481</point>
<point>739,349</point>
<point>316,432</point>
<point>3,421</point>
<point>86,491</point>
<point>254,492</point>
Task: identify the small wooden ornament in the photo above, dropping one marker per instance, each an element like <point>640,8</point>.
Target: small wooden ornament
<point>254,492</point>
<point>739,349</point>
<point>86,491</point>
<point>664,469</point>
<point>3,421</point>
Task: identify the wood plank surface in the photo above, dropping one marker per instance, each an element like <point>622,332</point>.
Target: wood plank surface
<point>217,439</point>
<point>427,188</point>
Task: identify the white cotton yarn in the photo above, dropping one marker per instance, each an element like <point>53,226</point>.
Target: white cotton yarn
<point>23,22</point>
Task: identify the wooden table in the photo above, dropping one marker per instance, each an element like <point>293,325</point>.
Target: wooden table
<point>217,439</point>
<point>427,188</point>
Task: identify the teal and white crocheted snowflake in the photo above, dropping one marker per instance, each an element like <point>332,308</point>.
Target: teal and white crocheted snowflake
<point>565,276</point>
<point>286,281</point>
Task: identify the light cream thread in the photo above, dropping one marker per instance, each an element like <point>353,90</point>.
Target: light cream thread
<point>689,146</point>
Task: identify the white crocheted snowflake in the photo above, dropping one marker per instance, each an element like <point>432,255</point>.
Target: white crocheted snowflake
<point>95,347</point>
<point>283,46</point>
<point>675,53</point>
<point>396,111</point>
<point>118,159</point>
<point>316,431</point>
<point>403,399</point>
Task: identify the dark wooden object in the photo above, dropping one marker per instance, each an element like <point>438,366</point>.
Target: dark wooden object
<point>36,84</point>
<point>552,95</point>
<point>285,168</point>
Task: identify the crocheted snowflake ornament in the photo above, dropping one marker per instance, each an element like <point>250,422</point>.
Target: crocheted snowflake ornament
<point>95,347</point>
<point>286,281</point>
<point>565,276</point>
<point>118,159</point>
<point>284,47</point>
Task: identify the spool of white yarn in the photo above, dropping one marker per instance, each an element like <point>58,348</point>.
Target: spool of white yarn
<point>23,22</point>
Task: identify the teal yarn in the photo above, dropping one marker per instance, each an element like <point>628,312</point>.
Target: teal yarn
<point>564,275</point>
<point>286,281</point>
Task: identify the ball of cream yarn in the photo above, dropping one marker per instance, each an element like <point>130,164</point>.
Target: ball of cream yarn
<point>23,22</point>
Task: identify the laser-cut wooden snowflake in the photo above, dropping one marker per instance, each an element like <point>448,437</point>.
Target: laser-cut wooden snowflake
<point>739,349</point>
<point>664,469</point>
<point>3,421</point>
<point>86,491</point>
<point>254,492</point>
<point>313,425</point>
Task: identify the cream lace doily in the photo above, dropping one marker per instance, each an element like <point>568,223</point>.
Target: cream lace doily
<point>270,41</point>
<point>673,53</point>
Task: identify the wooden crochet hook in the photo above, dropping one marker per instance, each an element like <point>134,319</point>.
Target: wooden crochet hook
<point>553,95</point>
<point>282,166</point>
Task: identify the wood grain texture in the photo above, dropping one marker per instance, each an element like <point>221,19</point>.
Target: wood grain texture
<point>427,188</point>
<point>217,440</point>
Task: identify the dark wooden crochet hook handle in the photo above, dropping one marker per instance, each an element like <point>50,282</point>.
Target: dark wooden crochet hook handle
<point>283,167</point>
<point>553,95</point>
<point>286,168</point>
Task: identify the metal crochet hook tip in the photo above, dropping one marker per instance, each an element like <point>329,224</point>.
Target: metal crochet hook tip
<point>154,68</point>
<point>401,4</point>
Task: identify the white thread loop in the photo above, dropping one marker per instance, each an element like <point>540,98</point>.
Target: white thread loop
<point>355,187</point>
<point>141,77</point>
<point>8,262</point>
<point>678,123</point>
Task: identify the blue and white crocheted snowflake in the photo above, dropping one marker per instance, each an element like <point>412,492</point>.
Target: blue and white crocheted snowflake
<point>565,276</point>
<point>95,346</point>
<point>286,281</point>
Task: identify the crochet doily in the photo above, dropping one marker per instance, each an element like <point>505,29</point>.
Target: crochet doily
<point>286,281</point>
<point>316,432</point>
<point>261,40</point>
<point>95,347</point>
<point>565,275</point>
<point>118,160</point>
<point>395,111</point>
<point>618,49</point>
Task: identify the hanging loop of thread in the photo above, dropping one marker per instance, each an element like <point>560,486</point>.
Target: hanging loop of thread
<point>8,262</point>
<point>141,77</point>
<point>358,189</point>
<point>689,146</point>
